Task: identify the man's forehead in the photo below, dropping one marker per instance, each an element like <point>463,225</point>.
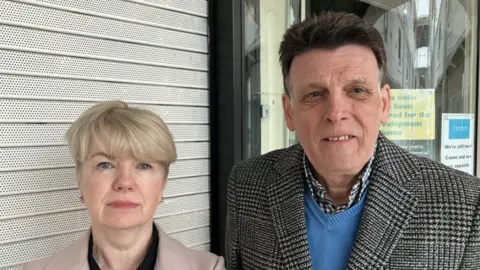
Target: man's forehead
<point>344,78</point>
<point>330,62</point>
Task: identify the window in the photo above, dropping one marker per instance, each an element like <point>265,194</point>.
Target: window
<point>431,68</point>
<point>385,27</point>
<point>399,44</point>
<point>265,22</point>
<point>441,53</point>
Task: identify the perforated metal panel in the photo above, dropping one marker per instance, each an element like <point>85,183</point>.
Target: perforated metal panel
<point>202,247</point>
<point>53,134</point>
<point>48,111</point>
<point>137,10</point>
<point>62,20</point>
<point>198,7</point>
<point>36,39</point>
<point>87,68</point>
<point>68,89</point>
<point>58,58</point>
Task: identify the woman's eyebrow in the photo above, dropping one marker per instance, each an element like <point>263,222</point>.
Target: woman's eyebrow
<point>102,154</point>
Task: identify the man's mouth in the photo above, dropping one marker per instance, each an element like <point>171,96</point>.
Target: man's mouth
<point>339,138</point>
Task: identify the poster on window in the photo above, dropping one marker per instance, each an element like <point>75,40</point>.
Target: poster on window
<point>411,124</point>
<point>457,146</point>
<point>412,115</point>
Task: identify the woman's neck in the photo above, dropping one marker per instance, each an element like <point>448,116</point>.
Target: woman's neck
<point>121,249</point>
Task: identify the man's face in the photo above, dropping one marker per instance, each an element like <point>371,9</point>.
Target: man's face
<point>336,107</point>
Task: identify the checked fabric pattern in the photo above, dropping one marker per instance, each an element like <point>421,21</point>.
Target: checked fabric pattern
<point>419,214</point>
<point>319,193</point>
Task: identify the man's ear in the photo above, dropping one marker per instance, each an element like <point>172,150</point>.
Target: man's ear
<point>287,111</point>
<point>386,98</point>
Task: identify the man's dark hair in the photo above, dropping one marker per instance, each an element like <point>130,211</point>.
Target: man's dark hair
<point>329,30</point>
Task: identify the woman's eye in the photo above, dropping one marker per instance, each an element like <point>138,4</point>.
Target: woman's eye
<point>144,166</point>
<point>104,165</point>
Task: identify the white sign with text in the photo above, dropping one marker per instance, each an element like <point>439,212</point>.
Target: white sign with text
<point>457,146</point>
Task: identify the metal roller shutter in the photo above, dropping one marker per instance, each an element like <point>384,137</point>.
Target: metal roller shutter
<point>58,57</point>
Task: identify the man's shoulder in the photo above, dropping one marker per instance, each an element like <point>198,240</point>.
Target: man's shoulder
<point>265,161</point>
<point>256,171</point>
<point>427,178</point>
<point>446,183</point>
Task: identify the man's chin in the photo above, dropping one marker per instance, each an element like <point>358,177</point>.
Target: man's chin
<point>340,164</point>
<point>343,168</point>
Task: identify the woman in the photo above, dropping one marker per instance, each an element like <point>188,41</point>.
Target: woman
<point>122,159</point>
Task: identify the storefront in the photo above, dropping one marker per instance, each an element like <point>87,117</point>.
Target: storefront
<point>211,70</point>
<point>432,58</point>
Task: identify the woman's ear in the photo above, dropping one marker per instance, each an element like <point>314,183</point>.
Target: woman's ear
<point>163,186</point>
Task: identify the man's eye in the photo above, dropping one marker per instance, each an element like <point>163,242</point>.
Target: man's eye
<point>145,166</point>
<point>358,90</point>
<point>314,94</point>
<point>104,165</point>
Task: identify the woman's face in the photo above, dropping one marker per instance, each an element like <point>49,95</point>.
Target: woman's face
<point>121,192</point>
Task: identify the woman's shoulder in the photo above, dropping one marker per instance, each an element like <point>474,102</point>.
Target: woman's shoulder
<point>207,260</point>
<point>35,264</point>
<point>177,252</point>
<point>74,256</point>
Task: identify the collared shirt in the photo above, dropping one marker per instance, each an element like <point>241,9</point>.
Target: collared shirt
<point>319,192</point>
<point>148,262</point>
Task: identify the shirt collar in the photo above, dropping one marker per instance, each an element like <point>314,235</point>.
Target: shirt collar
<point>148,262</point>
<point>319,192</point>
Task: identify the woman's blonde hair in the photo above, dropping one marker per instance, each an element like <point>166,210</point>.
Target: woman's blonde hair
<point>120,129</point>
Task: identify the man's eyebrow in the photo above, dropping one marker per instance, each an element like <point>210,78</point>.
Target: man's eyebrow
<point>317,85</point>
<point>353,80</point>
<point>349,80</point>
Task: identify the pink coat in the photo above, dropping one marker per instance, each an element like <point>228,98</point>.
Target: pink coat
<point>171,255</point>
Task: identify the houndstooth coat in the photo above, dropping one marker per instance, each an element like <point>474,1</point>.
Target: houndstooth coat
<point>419,214</point>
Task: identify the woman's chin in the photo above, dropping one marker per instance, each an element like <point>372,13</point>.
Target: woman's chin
<point>122,223</point>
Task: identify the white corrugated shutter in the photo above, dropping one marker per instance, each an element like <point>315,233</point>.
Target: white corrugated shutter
<point>57,58</point>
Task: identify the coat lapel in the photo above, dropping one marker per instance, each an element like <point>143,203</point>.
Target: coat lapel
<point>285,195</point>
<point>170,254</point>
<point>73,257</point>
<point>388,209</point>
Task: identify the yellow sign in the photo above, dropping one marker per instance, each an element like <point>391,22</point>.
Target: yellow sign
<point>412,115</point>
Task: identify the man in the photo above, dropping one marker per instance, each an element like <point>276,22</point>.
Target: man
<point>346,197</point>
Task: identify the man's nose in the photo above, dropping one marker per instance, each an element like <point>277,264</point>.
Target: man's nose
<point>336,108</point>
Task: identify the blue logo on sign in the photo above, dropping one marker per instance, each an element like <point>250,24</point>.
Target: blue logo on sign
<point>458,129</point>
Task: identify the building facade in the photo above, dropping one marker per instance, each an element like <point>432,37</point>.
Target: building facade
<point>432,69</point>
<point>210,69</point>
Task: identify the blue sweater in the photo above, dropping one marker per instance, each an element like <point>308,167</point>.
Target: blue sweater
<point>331,237</point>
